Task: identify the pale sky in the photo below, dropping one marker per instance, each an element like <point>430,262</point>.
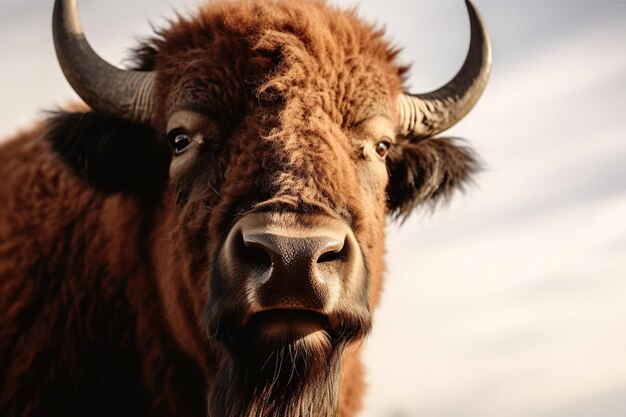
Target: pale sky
<point>511,301</point>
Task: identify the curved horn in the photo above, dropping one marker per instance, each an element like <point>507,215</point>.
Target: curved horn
<point>425,115</point>
<point>107,89</point>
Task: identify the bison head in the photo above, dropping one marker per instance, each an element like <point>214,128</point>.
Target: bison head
<point>270,141</point>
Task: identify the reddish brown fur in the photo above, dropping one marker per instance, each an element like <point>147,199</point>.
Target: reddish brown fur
<point>54,226</point>
<point>289,84</point>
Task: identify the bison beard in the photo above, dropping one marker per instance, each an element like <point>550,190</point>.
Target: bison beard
<point>293,373</point>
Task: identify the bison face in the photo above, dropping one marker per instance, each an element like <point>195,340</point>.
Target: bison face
<point>291,226</point>
<point>291,141</point>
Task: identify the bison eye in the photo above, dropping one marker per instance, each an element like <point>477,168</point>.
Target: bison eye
<point>179,141</point>
<point>382,147</point>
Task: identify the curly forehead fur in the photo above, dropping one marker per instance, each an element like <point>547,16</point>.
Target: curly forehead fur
<point>280,49</point>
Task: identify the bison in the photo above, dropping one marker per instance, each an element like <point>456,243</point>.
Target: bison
<point>207,236</point>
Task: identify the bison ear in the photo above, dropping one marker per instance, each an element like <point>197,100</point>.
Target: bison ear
<point>111,154</point>
<point>427,171</point>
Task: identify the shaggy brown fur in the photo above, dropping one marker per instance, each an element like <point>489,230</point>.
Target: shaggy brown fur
<point>110,303</point>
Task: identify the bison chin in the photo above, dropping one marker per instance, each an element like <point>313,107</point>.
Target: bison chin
<point>280,367</point>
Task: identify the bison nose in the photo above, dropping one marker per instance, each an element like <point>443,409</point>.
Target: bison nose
<point>294,272</point>
<point>289,261</point>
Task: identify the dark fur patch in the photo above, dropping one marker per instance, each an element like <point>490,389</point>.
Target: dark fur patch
<point>427,171</point>
<point>111,154</point>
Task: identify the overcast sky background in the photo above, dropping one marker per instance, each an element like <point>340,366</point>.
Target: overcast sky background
<point>511,301</point>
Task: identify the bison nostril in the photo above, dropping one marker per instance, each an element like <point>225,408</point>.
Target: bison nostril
<point>253,254</point>
<point>331,256</point>
<point>334,250</point>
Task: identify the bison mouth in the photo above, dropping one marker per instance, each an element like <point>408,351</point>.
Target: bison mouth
<point>278,316</point>
<point>281,326</point>
<point>280,362</point>
<point>286,324</point>
<point>273,329</point>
